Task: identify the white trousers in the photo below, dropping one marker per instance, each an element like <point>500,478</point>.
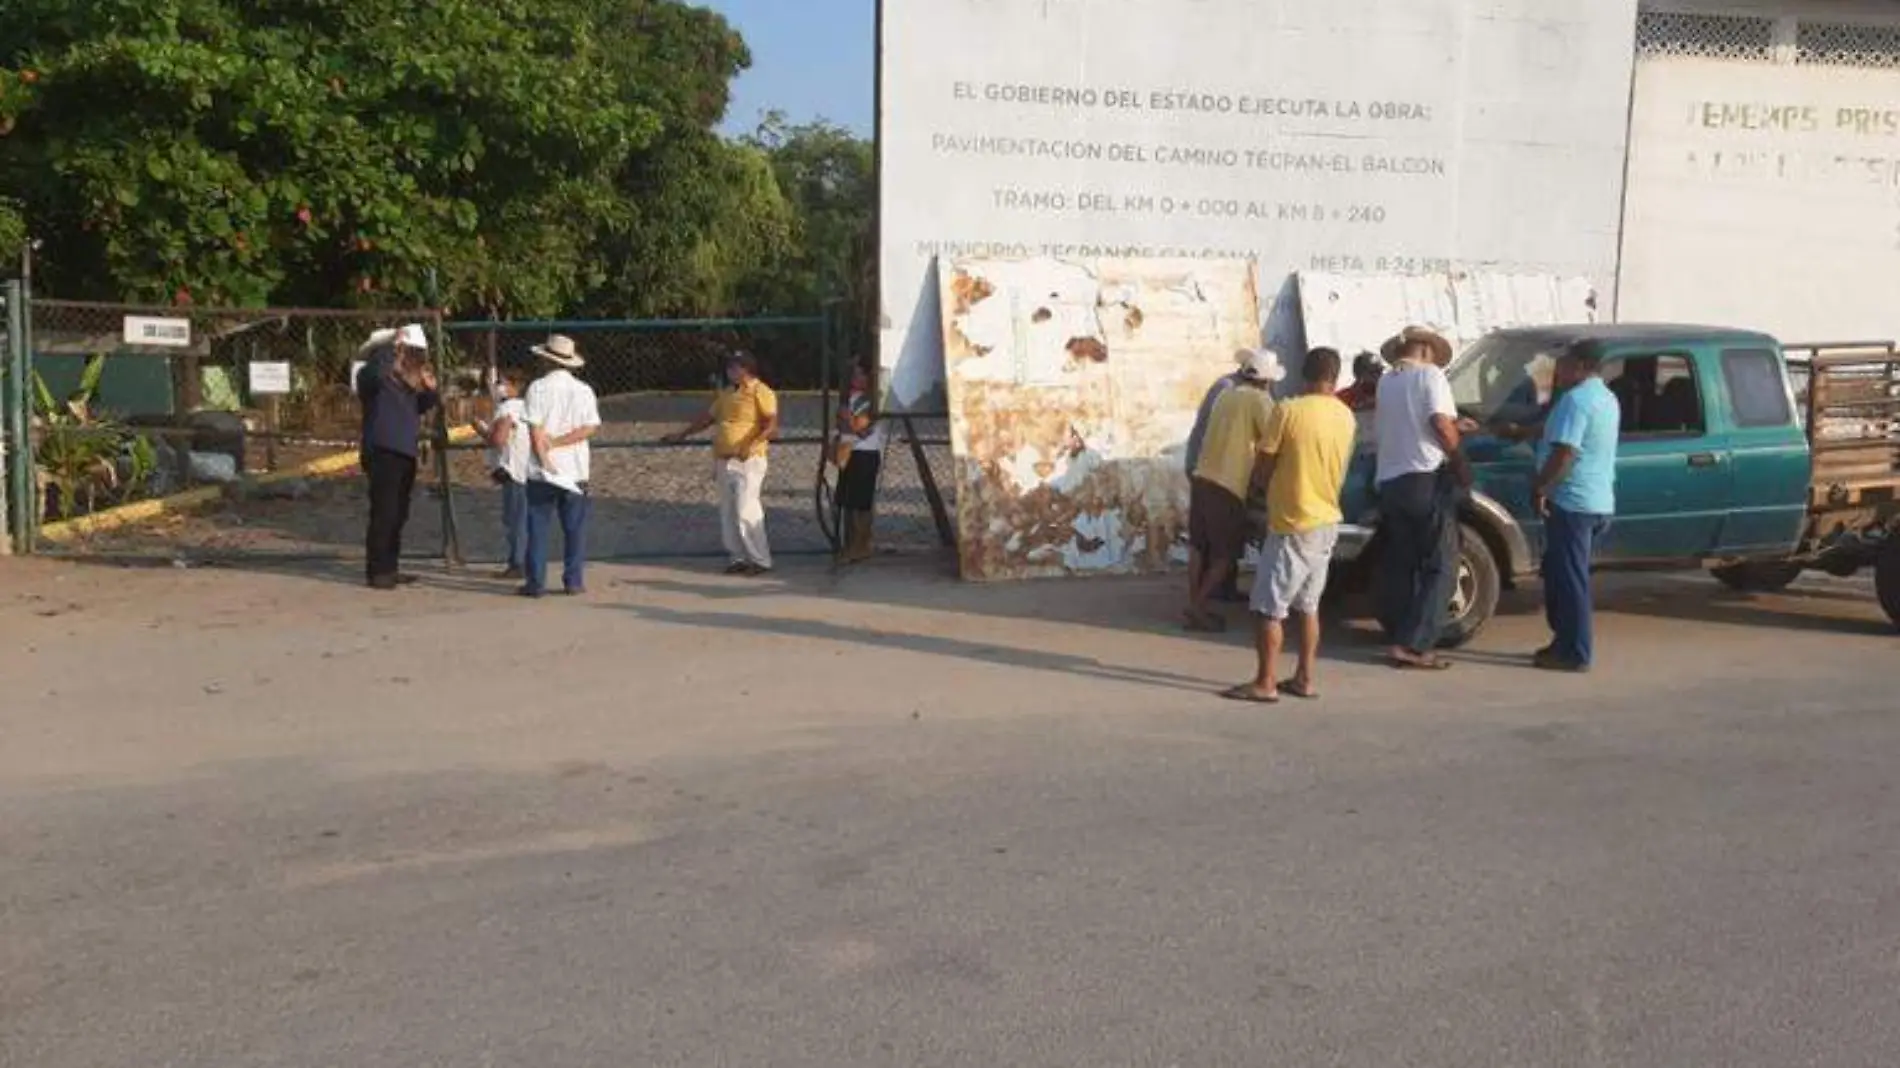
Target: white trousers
<point>742,512</point>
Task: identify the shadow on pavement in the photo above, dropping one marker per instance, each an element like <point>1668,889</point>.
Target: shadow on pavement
<point>979,652</point>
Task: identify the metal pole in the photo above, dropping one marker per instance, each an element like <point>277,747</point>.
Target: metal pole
<point>18,444</point>
<point>29,524</point>
<point>451,535</point>
<point>828,515</point>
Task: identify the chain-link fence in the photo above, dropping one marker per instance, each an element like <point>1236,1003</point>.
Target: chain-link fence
<point>654,499</point>
<point>207,432</point>
<point>216,434</point>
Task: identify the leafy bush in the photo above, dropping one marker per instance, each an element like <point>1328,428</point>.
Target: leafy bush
<point>86,459</point>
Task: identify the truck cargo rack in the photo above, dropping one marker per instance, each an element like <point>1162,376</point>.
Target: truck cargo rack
<point>1849,395</point>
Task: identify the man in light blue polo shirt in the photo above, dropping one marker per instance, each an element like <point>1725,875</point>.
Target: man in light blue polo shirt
<point>1575,493</point>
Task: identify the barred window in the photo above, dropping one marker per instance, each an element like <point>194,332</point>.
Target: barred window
<point>1848,44</point>
<point>1677,33</point>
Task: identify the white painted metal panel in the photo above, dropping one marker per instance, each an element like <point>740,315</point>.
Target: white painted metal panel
<point>1357,313</point>
<point>1348,136</point>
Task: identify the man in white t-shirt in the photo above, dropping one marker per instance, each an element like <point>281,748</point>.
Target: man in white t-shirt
<point>1420,474</point>
<point>562,414</point>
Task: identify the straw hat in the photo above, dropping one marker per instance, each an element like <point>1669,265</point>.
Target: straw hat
<point>560,350</point>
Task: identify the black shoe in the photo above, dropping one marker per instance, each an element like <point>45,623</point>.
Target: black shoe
<point>574,591</point>
<point>532,594</point>
<point>405,579</point>
<point>508,574</point>
<point>382,582</point>
<point>1547,660</point>
<point>738,567</point>
<point>755,571</point>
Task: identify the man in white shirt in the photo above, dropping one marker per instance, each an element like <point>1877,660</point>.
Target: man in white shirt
<point>562,414</point>
<point>1420,474</point>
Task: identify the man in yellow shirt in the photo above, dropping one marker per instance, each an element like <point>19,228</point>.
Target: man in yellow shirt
<point>1304,454</point>
<point>1217,488</point>
<point>744,419</point>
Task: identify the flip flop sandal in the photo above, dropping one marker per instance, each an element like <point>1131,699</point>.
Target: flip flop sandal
<point>1430,663</point>
<point>1251,696</point>
<point>1304,693</point>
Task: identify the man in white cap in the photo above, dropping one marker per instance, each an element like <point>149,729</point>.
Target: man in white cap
<point>563,414</point>
<point>1221,481</point>
<point>1230,590</point>
<point>397,387</point>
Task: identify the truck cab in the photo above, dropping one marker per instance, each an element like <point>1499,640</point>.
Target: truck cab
<point>1715,466</point>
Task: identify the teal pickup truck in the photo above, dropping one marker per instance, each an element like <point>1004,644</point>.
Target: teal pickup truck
<point>1727,462</point>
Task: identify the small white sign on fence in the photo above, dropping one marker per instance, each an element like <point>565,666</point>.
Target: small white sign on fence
<point>270,377</point>
<point>164,333</point>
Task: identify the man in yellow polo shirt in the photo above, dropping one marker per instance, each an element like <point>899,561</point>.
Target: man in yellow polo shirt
<point>744,419</point>
<point>1304,454</point>
<point>1217,488</point>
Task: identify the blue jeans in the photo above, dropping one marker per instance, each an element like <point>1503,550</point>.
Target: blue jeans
<point>1419,517</point>
<point>1570,540</point>
<point>545,502</point>
<point>514,522</point>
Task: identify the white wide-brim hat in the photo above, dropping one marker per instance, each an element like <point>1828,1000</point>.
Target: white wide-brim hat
<point>560,350</point>
<point>409,337</point>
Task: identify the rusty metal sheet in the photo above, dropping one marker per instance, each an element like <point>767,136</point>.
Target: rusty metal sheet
<point>1072,387</point>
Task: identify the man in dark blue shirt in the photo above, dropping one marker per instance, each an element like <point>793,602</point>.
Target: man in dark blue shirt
<point>396,386</point>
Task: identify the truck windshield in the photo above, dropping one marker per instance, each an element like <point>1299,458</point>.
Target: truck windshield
<point>1505,379</point>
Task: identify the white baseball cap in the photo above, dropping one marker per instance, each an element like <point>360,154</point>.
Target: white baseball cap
<point>412,337</point>
<point>1262,365</point>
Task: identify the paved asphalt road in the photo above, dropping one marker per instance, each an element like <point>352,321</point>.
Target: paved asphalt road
<point>252,819</point>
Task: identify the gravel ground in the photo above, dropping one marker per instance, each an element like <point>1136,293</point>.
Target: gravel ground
<point>650,500</point>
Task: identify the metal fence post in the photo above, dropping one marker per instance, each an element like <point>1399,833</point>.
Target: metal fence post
<point>13,394</point>
<point>451,535</point>
<point>22,485</point>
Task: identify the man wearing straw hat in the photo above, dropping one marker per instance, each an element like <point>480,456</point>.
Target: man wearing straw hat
<point>1421,474</point>
<point>563,414</point>
<point>397,387</point>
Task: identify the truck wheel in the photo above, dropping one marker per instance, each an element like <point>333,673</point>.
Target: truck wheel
<point>1771,576</point>
<point>1474,596</point>
<point>1887,578</point>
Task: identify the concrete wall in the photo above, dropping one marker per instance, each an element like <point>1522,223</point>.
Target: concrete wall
<point>1764,182</point>
<point>1346,136</point>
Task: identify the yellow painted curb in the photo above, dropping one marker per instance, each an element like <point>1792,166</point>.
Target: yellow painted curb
<point>126,515</point>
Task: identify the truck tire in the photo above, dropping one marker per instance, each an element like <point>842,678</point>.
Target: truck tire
<point>1758,576</point>
<point>1474,598</point>
<point>1887,578</point>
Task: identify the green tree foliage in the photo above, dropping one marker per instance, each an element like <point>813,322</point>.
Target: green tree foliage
<point>12,235</point>
<point>501,157</point>
<point>375,151</point>
<point>826,173</point>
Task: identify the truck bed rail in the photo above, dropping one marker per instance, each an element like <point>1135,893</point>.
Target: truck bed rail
<point>1849,393</point>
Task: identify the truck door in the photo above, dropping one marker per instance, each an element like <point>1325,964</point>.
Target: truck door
<point>1769,456</point>
<point>1673,464</point>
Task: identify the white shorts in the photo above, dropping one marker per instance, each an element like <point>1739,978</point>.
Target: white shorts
<point>1292,575</point>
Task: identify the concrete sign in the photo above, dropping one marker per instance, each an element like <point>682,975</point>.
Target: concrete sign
<point>1351,136</point>
<point>1765,195</point>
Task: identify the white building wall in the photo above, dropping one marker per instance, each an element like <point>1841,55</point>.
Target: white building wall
<point>1346,136</point>
<point>1764,172</point>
